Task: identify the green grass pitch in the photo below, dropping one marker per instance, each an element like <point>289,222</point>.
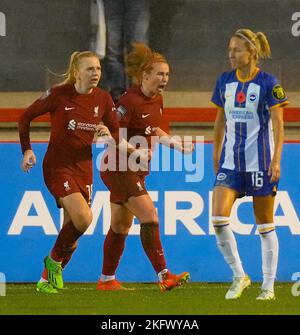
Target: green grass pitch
<point>146,299</point>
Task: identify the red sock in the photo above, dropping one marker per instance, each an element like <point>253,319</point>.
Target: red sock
<point>64,245</point>
<point>45,274</point>
<point>112,251</point>
<point>152,245</point>
<point>67,258</point>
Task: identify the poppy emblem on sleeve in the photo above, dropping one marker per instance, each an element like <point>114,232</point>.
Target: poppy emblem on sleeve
<point>278,92</point>
<point>241,97</point>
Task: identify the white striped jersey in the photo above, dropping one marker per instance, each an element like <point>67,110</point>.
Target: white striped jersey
<point>248,142</point>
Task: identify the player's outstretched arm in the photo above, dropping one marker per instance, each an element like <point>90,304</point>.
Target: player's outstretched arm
<point>174,142</point>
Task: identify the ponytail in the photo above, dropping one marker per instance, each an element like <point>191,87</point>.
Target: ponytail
<point>141,59</point>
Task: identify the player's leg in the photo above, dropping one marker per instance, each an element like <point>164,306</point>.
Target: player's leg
<point>142,207</point>
<point>264,209</point>
<point>114,243</point>
<point>81,217</point>
<point>223,200</point>
<point>42,284</point>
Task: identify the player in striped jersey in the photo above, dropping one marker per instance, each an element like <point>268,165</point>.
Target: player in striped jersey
<point>248,139</point>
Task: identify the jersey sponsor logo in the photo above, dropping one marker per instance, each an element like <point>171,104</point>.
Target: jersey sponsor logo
<point>240,114</point>
<point>72,125</point>
<point>278,92</point>
<point>252,97</point>
<point>69,108</point>
<point>221,176</point>
<point>67,186</point>
<point>148,130</point>
<point>145,115</point>
<point>96,111</point>
<point>121,111</point>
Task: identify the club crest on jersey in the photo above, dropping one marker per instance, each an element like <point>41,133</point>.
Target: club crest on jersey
<point>278,92</point>
<point>252,97</point>
<point>96,111</point>
<point>67,186</point>
<point>221,176</point>
<point>121,111</point>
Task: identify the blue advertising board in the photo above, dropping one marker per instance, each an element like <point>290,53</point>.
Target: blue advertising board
<point>30,221</point>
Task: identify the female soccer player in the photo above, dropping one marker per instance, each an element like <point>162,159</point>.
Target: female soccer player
<point>140,110</point>
<point>78,109</point>
<point>247,158</point>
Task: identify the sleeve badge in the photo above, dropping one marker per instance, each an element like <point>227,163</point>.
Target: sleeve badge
<point>278,92</point>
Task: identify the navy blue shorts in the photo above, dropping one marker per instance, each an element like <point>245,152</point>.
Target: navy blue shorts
<point>247,183</point>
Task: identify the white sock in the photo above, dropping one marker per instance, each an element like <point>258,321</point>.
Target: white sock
<point>161,273</point>
<point>107,278</point>
<point>43,280</point>
<point>227,244</point>
<point>269,253</point>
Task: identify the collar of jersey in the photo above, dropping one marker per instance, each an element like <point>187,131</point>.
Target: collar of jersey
<point>251,78</point>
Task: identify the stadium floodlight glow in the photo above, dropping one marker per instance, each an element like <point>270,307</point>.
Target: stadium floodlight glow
<point>2,285</point>
<point>2,24</point>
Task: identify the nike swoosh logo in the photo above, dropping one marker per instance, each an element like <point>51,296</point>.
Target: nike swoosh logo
<point>69,108</point>
<point>145,115</point>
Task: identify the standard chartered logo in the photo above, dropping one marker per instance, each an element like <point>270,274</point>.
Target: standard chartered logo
<point>72,125</point>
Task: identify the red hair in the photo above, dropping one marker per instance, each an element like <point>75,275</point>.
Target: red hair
<point>141,59</point>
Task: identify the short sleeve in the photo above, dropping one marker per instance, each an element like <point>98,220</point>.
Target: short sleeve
<point>217,98</point>
<point>275,93</point>
<point>124,110</point>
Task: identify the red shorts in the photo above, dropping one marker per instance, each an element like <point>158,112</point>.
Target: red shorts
<point>62,184</point>
<point>123,185</point>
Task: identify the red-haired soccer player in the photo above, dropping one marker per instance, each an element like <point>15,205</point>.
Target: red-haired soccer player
<point>140,110</point>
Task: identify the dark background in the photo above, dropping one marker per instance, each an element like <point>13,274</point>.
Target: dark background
<point>193,34</point>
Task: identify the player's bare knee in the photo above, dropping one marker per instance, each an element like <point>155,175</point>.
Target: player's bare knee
<point>85,218</point>
<point>263,218</point>
<point>120,227</point>
<point>150,216</point>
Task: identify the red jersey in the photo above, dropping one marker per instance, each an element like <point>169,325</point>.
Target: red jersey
<point>140,116</point>
<point>74,118</point>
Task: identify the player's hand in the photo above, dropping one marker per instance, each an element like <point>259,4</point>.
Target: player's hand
<point>102,130</point>
<point>29,160</point>
<point>187,148</point>
<point>274,171</point>
<point>139,159</point>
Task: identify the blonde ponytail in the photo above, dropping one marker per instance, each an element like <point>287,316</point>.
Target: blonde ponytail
<point>265,50</point>
<point>256,42</point>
